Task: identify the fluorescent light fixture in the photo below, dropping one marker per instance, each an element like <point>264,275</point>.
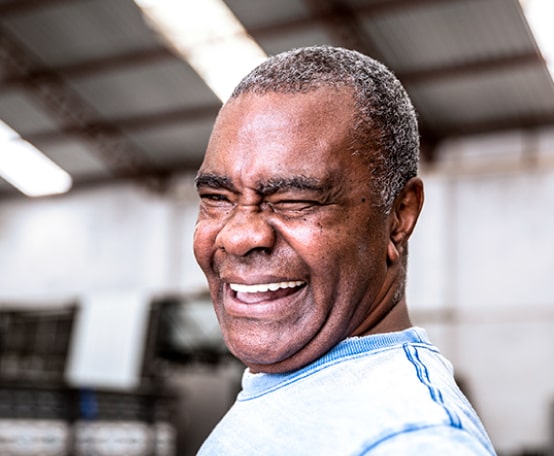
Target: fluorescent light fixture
<point>539,14</point>
<point>209,37</point>
<point>28,169</point>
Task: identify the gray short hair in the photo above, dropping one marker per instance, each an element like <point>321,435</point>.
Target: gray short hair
<point>384,120</point>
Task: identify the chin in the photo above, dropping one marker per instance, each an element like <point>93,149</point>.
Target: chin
<point>253,356</point>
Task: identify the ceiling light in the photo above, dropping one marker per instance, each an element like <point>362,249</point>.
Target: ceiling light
<point>209,37</point>
<point>539,15</point>
<point>28,169</point>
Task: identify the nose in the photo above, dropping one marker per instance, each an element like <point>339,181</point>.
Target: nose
<point>245,231</point>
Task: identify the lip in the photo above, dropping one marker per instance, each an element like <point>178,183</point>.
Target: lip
<point>268,304</point>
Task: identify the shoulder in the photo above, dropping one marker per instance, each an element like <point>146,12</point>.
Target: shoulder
<point>430,441</point>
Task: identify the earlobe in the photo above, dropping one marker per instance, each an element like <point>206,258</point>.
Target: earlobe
<point>405,212</point>
<point>392,252</point>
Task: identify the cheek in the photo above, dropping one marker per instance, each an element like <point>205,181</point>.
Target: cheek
<point>327,252</point>
<point>345,256</point>
<point>203,243</point>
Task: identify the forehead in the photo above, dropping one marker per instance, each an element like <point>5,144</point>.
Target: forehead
<point>279,133</point>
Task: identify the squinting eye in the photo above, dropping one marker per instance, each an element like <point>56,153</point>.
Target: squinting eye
<point>293,205</point>
<point>215,199</point>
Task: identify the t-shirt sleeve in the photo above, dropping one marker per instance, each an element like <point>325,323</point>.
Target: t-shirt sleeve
<point>431,441</point>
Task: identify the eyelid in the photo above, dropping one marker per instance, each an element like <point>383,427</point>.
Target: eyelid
<point>298,196</point>
<point>209,191</point>
<point>212,189</point>
<point>294,201</point>
<point>215,198</point>
<point>293,205</point>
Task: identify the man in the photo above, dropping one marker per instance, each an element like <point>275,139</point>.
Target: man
<point>309,193</point>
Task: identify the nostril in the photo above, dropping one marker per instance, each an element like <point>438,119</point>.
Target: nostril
<point>247,230</point>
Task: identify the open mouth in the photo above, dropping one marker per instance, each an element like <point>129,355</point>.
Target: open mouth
<point>256,293</point>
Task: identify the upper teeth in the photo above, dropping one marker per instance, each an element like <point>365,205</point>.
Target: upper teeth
<point>263,287</point>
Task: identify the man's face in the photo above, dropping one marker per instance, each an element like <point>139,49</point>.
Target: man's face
<point>294,251</point>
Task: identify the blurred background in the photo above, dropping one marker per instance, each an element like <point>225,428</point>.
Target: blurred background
<point>108,344</point>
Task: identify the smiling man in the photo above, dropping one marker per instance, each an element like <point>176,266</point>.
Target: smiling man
<point>309,193</point>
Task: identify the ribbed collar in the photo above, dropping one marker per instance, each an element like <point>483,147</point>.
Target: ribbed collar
<point>255,385</point>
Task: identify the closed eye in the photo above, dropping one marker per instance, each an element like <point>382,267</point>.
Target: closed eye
<point>215,199</point>
<point>293,205</point>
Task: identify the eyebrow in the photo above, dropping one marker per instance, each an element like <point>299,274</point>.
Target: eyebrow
<point>214,181</point>
<point>283,184</point>
<point>269,187</point>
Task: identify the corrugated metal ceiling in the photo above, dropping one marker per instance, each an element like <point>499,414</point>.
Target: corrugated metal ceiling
<point>95,88</point>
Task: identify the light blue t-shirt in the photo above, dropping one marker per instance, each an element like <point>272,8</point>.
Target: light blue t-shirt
<point>385,394</point>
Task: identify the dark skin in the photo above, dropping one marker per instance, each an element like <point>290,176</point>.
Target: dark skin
<point>296,253</point>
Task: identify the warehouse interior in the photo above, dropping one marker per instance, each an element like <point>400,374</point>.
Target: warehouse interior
<point>108,343</point>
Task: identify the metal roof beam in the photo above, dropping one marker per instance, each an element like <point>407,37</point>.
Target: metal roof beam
<point>464,69</point>
<point>90,67</point>
<point>327,11</point>
<point>528,122</point>
<point>391,6</point>
<point>69,109</point>
<point>112,127</point>
<point>343,24</point>
<point>15,7</point>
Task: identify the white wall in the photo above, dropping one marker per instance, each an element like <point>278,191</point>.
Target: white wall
<point>481,278</point>
<point>110,250</point>
<point>480,274</point>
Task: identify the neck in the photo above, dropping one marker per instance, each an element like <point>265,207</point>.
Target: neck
<point>396,319</point>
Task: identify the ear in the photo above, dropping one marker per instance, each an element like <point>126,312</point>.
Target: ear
<point>403,217</point>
